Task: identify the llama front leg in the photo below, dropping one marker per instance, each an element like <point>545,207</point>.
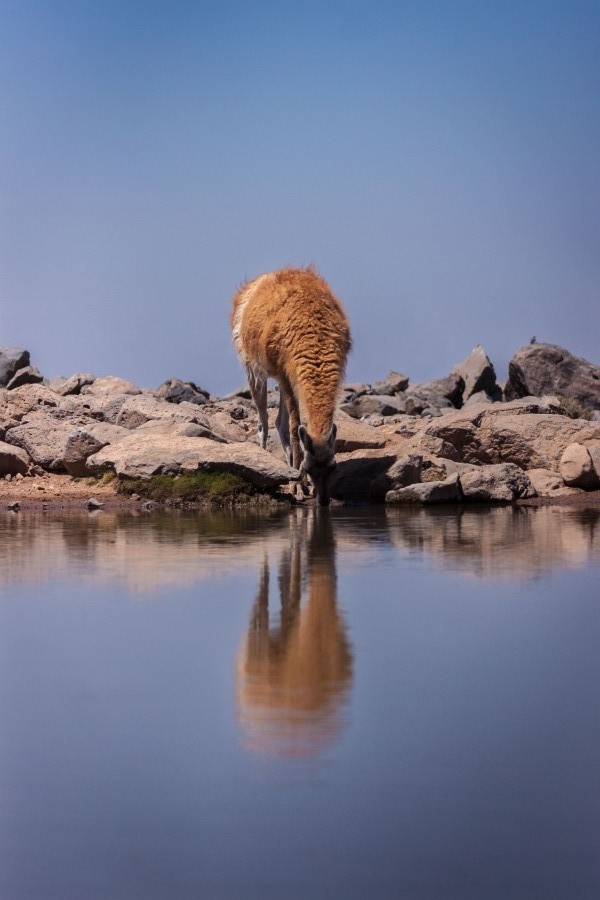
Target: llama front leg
<point>258,389</point>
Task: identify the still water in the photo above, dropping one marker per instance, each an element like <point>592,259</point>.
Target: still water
<point>313,704</point>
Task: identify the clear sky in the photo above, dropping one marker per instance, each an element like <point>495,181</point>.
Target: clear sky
<point>437,160</point>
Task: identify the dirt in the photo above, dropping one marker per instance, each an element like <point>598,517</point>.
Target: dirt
<point>55,491</point>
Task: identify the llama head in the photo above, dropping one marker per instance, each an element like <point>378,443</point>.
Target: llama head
<point>318,461</point>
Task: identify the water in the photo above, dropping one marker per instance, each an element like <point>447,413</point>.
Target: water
<point>346,703</point>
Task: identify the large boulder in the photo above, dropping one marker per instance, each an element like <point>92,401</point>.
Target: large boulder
<point>173,454</point>
<point>428,492</point>
<point>86,440</point>
<point>501,482</point>
<point>43,438</point>
<point>580,466</point>
<point>393,383</point>
<point>110,384</point>
<point>11,360</point>
<point>548,369</point>
<point>374,404</point>
<point>478,374</point>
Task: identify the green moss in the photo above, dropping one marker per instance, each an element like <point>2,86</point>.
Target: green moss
<point>188,487</point>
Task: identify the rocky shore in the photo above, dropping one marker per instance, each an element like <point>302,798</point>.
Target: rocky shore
<point>463,438</point>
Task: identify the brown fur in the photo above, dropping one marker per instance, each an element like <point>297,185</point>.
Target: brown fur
<point>288,325</point>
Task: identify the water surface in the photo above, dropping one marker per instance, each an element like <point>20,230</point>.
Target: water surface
<point>346,703</point>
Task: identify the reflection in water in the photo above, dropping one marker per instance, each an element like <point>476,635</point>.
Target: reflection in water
<point>150,551</point>
<point>294,673</point>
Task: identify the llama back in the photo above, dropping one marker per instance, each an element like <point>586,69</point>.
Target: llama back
<point>289,323</point>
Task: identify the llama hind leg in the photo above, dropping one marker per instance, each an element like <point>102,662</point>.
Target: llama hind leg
<point>258,388</point>
<point>283,427</point>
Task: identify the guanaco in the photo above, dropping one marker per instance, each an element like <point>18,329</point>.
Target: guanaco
<point>288,325</point>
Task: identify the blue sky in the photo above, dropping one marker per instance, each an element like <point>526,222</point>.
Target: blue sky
<point>438,162</point>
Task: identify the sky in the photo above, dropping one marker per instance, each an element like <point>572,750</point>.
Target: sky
<point>438,161</point>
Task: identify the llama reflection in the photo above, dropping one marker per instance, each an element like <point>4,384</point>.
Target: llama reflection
<point>294,674</point>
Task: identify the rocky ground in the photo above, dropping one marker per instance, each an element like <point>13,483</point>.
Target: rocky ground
<point>459,439</point>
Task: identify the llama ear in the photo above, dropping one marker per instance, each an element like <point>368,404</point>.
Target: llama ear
<point>305,439</point>
<point>332,436</point>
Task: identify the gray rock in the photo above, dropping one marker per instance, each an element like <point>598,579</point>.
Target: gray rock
<point>110,384</point>
<point>577,469</point>
<point>79,446</point>
<point>548,369</point>
<point>478,374</point>
<point>11,360</point>
<point>441,392</point>
<point>72,385</point>
<point>373,404</point>
<point>168,454</point>
<point>502,482</point>
<point>393,383</point>
<point>353,476</point>
<point>429,492</point>
<point>404,471</point>
<point>13,460</point>
<point>26,375</point>
<point>43,438</point>
<point>174,391</point>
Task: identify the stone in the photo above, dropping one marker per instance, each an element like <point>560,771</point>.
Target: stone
<point>168,454</point>
<point>355,473</point>
<point>430,492</point>
<point>26,375</point>
<point>13,460</point>
<point>478,374</point>
<point>174,391</point>
<point>18,403</point>
<point>79,445</point>
<point>43,438</point>
<point>548,369</point>
<point>576,467</point>
<point>353,435</point>
<point>373,404</point>
<point>503,482</point>
<point>110,384</point>
<point>547,483</point>
<point>393,383</point>
<point>404,471</point>
<point>531,441</point>
<point>72,385</point>
<point>594,450</point>
<point>11,360</point>
<point>441,392</point>
<point>136,410</point>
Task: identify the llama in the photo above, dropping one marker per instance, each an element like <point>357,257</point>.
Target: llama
<point>289,326</point>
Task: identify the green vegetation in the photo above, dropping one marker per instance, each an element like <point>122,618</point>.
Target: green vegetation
<point>213,487</point>
<point>574,408</point>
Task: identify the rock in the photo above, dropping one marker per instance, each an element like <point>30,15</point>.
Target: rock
<point>441,392</point>
<point>160,453</point>
<point>593,449</point>
<point>447,491</point>
<point>43,438</point>
<point>393,383</point>
<point>223,425</point>
<point>72,385</point>
<point>500,482</point>
<point>576,468</point>
<point>26,375</point>
<point>548,369</point>
<point>11,360</point>
<point>136,410</point>
<point>480,397</point>
<point>174,391</point>
<point>530,432</point>
<point>373,404</point>
<point>353,435</point>
<point>13,460</point>
<point>547,483</point>
<point>404,471</point>
<point>531,441</point>
<point>79,445</point>
<point>110,384</point>
<point>356,388</point>
<point>355,473</point>
<point>478,374</point>
<point>18,403</point>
